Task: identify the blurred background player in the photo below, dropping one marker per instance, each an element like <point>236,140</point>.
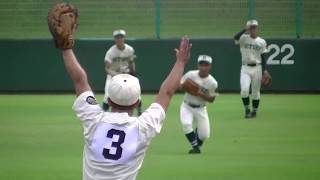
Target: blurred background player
<point>119,59</point>
<point>194,107</point>
<point>253,49</point>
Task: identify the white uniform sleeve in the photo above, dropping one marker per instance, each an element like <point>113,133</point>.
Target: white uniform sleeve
<point>87,110</point>
<point>151,120</point>
<point>108,57</point>
<point>212,90</point>
<point>133,56</point>
<point>264,47</point>
<point>241,39</point>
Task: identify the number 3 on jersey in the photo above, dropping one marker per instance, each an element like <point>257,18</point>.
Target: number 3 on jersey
<point>115,144</point>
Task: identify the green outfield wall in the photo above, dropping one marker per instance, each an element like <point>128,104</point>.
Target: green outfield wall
<point>35,65</point>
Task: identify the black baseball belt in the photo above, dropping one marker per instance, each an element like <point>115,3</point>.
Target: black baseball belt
<point>193,105</point>
<point>252,64</point>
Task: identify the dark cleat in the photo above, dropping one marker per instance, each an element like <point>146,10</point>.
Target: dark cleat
<point>195,150</point>
<point>253,114</point>
<point>247,114</point>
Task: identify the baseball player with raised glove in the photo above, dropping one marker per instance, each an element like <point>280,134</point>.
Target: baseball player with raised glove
<point>119,59</point>
<point>115,143</point>
<point>253,70</point>
<point>200,88</point>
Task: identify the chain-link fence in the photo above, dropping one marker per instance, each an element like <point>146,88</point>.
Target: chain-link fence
<point>166,18</point>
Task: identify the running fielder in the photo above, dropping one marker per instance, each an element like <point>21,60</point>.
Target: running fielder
<point>115,142</point>
<point>200,88</point>
<point>253,49</point>
<point>119,59</point>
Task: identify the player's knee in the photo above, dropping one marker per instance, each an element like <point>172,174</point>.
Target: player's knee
<point>204,135</point>
<point>187,128</point>
<point>256,95</point>
<point>245,92</point>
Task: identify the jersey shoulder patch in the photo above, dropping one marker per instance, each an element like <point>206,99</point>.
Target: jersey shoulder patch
<point>91,100</point>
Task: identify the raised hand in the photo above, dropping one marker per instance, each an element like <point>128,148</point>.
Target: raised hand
<point>183,53</point>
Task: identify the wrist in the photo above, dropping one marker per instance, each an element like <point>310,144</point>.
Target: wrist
<point>181,62</point>
<point>200,93</point>
<point>66,50</point>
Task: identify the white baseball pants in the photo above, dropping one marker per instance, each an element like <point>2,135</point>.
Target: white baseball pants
<point>200,115</point>
<point>250,75</point>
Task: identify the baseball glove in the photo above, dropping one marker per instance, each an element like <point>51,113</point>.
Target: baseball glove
<point>191,87</point>
<point>266,79</point>
<point>62,22</point>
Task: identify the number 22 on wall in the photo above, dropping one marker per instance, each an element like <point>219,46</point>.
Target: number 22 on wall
<point>286,59</point>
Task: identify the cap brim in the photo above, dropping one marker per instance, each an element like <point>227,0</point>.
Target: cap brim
<point>203,62</point>
<point>118,35</point>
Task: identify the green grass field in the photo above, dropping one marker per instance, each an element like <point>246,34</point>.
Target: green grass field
<point>41,139</point>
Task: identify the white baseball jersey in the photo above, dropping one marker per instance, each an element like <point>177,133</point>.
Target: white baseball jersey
<point>115,143</point>
<point>208,84</point>
<point>119,59</point>
<point>251,49</point>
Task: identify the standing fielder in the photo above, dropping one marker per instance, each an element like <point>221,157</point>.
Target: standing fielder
<point>119,59</point>
<point>194,107</point>
<point>253,49</point>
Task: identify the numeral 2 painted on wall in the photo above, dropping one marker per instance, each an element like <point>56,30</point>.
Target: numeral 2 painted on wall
<point>286,59</point>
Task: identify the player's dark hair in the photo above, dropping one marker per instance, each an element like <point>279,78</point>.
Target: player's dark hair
<point>120,107</point>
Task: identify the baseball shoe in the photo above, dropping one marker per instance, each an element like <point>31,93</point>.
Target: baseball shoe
<point>253,114</point>
<point>195,150</point>
<point>247,114</point>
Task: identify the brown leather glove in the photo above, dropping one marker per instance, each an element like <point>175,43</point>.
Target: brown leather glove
<point>266,79</point>
<point>191,87</point>
<point>62,23</point>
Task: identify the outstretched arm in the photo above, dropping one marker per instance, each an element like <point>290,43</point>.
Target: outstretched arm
<point>75,71</point>
<point>172,82</point>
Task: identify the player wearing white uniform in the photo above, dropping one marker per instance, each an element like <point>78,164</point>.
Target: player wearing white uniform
<point>194,107</point>
<point>119,59</point>
<point>115,143</point>
<point>253,49</point>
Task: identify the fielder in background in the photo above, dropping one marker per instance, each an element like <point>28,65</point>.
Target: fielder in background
<point>253,49</point>
<point>200,88</point>
<point>119,59</point>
